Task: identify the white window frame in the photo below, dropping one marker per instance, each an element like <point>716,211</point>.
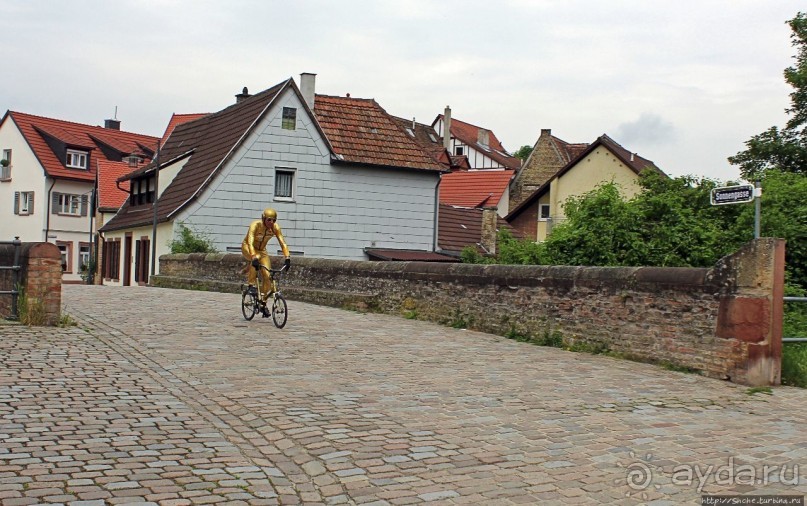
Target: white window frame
<point>290,172</point>
<point>459,150</point>
<point>5,171</point>
<point>69,204</point>
<point>77,159</point>
<point>541,216</point>
<point>83,256</point>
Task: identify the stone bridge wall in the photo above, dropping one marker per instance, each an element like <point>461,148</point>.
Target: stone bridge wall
<point>724,321</point>
<point>40,279</point>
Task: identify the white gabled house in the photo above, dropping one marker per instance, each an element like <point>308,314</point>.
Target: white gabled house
<point>346,180</point>
<point>48,178</point>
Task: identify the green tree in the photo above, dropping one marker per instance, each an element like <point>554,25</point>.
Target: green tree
<point>523,152</point>
<point>785,148</point>
<point>191,241</point>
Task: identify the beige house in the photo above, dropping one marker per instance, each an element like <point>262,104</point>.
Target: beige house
<point>601,162</point>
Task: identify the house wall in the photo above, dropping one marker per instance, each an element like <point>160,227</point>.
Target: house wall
<point>543,163</point>
<point>725,322</point>
<point>165,235</point>
<point>26,175</point>
<point>337,210</point>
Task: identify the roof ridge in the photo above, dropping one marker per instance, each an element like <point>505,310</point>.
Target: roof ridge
<point>95,127</point>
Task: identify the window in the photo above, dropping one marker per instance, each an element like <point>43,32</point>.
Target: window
<point>76,159</point>
<point>5,165</point>
<point>71,205</point>
<point>544,213</point>
<point>23,203</point>
<point>65,250</point>
<point>83,256</point>
<point>284,184</point>
<point>142,191</point>
<point>289,118</point>
<point>459,150</point>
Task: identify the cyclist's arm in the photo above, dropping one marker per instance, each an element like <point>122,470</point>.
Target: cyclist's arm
<point>281,240</point>
<point>250,239</point>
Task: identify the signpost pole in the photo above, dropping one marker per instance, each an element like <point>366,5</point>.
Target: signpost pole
<point>757,208</point>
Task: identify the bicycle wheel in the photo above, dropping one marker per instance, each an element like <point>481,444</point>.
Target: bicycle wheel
<point>280,312</point>
<point>249,304</point>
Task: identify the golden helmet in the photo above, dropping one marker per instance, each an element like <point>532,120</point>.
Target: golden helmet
<point>269,213</point>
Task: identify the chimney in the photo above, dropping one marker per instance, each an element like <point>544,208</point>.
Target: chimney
<point>631,156</point>
<point>483,137</point>
<point>489,222</point>
<point>112,124</point>
<point>447,128</point>
<point>242,96</point>
<point>546,131</point>
<point>308,88</point>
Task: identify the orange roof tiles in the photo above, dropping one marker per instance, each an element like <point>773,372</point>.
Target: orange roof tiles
<point>103,144</point>
<point>110,196</point>
<point>361,131</point>
<point>469,134</point>
<point>474,188</point>
<point>176,120</point>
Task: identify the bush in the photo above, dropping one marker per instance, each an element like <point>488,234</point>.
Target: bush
<point>191,241</point>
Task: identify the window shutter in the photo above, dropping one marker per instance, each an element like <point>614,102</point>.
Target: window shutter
<point>54,206</point>
<point>31,203</point>
<point>16,202</point>
<point>84,205</point>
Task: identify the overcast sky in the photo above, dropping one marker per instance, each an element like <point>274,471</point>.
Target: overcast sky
<point>682,83</point>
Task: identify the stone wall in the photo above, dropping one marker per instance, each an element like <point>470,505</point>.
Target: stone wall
<point>724,322</point>
<point>40,278</point>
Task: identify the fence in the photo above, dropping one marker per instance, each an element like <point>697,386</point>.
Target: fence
<point>795,339</point>
<point>15,268</point>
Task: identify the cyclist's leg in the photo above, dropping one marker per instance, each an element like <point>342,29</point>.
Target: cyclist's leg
<point>251,274</point>
<point>266,280</point>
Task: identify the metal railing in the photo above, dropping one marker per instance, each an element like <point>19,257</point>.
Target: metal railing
<point>15,268</point>
<point>795,339</point>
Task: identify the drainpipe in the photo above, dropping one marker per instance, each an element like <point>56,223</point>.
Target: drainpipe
<point>154,224</point>
<point>47,214</point>
<point>435,246</point>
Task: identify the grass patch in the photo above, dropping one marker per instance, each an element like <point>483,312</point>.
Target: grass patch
<point>31,309</point>
<point>586,347</point>
<point>794,364</point>
<point>459,321</point>
<point>411,314</point>
<point>759,390</point>
<point>65,320</point>
<point>678,368</point>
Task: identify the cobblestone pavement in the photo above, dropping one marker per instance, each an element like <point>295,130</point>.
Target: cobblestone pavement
<point>169,397</point>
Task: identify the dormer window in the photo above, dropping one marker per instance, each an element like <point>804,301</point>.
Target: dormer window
<point>459,150</point>
<point>142,191</point>
<point>77,159</point>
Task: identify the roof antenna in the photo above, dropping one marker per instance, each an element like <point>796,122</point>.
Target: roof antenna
<point>116,113</point>
<point>413,122</point>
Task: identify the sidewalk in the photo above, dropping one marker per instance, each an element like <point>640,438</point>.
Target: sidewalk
<point>169,397</point>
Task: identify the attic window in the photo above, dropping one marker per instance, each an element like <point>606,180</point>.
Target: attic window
<point>133,160</point>
<point>289,118</point>
<point>76,159</point>
<point>459,150</point>
<point>142,191</point>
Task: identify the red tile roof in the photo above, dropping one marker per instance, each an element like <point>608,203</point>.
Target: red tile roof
<point>179,119</point>
<point>459,227</point>
<point>469,134</point>
<point>103,144</point>
<point>361,131</point>
<point>474,188</point>
<point>110,197</point>
<point>407,255</point>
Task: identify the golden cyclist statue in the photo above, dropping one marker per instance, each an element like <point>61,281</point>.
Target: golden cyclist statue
<point>254,249</point>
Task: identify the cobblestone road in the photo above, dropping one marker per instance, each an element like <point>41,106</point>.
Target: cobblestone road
<point>169,397</point>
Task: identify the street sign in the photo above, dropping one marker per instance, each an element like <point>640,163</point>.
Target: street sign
<point>732,194</point>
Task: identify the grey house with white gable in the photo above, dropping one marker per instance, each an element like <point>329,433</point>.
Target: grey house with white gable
<point>344,177</point>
